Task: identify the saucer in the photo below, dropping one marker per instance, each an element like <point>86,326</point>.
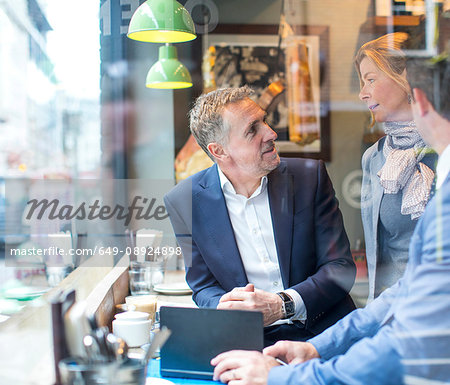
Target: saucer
<point>177,288</point>
<point>25,293</point>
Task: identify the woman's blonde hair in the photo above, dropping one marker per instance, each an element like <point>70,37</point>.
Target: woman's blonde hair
<point>387,54</point>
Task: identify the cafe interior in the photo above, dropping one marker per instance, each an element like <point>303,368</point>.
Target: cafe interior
<point>94,103</point>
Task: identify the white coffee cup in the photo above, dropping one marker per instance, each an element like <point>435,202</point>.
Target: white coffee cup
<point>132,316</point>
<point>134,332</point>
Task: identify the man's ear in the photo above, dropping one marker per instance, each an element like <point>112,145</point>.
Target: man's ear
<point>422,101</point>
<point>216,150</point>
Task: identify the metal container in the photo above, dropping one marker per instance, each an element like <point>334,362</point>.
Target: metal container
<point>75,372</point>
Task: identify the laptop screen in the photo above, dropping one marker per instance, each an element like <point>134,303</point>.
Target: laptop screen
<point>198,335</point>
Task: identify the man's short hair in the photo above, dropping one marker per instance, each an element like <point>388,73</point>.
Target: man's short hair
<point>205,117</point>
<point>432,77</point>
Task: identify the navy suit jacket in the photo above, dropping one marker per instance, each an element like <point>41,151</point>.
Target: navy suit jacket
<point>403,335</point>
<point>313,249</point>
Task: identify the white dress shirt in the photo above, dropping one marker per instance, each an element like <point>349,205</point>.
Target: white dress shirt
<point>252,225</point>
<point>443,167</point>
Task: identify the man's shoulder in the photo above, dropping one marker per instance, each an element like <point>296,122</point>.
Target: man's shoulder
<point>302,169</point>
<point>189,185</point>
<point>439,206</point>
<point>293,164</point>
<point>442,196</point>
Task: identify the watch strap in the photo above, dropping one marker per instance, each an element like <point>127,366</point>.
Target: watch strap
<point>288,305</point>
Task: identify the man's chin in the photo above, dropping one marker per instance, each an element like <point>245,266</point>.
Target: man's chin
<point>273,161</point>
<point>278,160</point>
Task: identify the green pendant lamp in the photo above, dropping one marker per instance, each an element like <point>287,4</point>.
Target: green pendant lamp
<point>161,21</point>
<point>168,72</point>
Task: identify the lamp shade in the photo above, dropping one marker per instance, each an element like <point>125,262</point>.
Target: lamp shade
<point>161,21</point>
<point>168,72</point>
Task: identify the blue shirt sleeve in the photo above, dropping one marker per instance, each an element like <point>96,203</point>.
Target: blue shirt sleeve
<point>357,325</point>
<point>370,361</point>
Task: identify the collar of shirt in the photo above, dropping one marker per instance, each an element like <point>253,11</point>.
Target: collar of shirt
<point>443,167</point>
<point>228,187</point>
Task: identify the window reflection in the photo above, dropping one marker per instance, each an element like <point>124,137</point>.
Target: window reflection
<point>49,109</point>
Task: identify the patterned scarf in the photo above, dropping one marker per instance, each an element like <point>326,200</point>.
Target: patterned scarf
<point>403,149</point>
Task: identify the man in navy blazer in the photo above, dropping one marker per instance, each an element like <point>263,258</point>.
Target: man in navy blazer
<point>257,232</point>
<point>403,335</point>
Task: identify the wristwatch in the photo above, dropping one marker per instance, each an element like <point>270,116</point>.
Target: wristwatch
<point>288,305</point>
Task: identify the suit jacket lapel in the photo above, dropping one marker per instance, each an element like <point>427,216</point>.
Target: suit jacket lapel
<point>209,202</point>
<point>281,200</point>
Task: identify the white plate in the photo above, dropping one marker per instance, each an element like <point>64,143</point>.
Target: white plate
<point>25,293</point>
<point>177,288</point>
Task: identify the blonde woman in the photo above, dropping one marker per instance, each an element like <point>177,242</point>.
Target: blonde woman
<point>398,170</point>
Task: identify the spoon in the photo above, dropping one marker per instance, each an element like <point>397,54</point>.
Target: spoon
<point>118,347</point>
<point>92,349</point>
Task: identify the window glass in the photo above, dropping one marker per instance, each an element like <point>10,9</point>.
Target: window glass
<point>49,108</point>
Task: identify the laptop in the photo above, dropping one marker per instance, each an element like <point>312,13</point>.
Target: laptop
<point>198,335</point>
